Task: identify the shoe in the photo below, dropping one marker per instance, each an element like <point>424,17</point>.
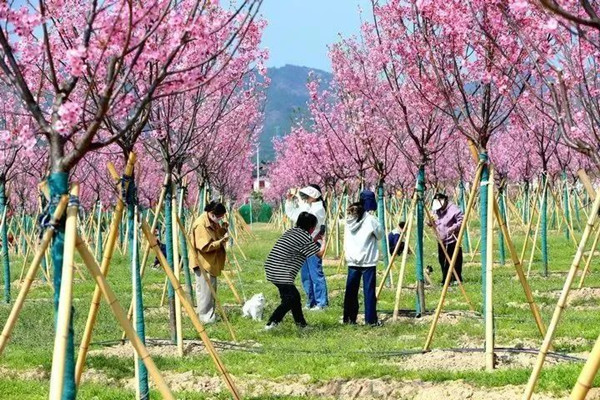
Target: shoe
<point>376,324</point>
<point>270,326</point>
<point>316,308</point>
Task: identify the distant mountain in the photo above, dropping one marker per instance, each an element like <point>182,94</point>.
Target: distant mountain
<point>286,101</point>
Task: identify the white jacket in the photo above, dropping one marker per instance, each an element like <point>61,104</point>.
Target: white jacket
<point>293,209</point>
<point>360,241</point>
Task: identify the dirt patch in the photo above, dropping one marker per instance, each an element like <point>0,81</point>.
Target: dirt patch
<point>300,386</point>
<point>38,283</point>
<point>164,348</point>
<point>36,374</point>
<point>467,361</point>
<point>576,296</point>
<point>331,262</point>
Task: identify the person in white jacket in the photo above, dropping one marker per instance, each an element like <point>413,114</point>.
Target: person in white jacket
<point>311,274</point>
<point>361,235</point>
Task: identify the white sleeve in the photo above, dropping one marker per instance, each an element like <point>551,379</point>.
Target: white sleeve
<point>377,228</point>
<point>292,210</point>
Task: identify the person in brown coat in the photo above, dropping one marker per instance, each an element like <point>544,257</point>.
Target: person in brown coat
<point>209,239</point>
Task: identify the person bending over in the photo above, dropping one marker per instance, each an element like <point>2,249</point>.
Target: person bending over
<point>285,260</point>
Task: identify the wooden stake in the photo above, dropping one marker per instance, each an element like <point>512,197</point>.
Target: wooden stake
<point>468,210</point>
<point>189,309</point>
<point>31,273</point>
<point>109,249</point>
<point>589,259</point>
<point>176,263</point>
<point>585,381</point>
<point>562,301</point>
<point>64,305</point>
<point>439,241</point>
<point>402,267</point>
<point>393,257</point>
<point>519,269</point>
<point>115,306</point>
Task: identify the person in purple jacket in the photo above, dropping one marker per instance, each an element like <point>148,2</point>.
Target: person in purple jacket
<point>447,224</point>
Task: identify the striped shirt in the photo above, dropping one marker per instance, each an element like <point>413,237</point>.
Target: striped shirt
<point>287,256</point>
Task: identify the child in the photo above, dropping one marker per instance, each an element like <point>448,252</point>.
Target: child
<point>394,237</point>
<point>285,260</point>
<point>360,246</point>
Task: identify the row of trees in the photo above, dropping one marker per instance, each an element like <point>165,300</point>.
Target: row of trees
<point>85,82</point>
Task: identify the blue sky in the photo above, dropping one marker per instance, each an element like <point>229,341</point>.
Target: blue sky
<point>300,30</point>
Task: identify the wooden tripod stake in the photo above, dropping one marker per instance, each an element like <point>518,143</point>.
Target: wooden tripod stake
<point>31,273</point>
<point>562,301</point>
<point>468,210</point>
<point>189,309</point>
<point>109,248</point>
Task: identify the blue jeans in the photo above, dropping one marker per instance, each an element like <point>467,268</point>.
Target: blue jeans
<point>313,282</point>
<point>351,295</point>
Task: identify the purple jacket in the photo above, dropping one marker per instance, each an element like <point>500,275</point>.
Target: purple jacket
<point>448,223</point>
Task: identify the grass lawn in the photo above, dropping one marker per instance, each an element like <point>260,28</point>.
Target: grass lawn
<point>306,361</point>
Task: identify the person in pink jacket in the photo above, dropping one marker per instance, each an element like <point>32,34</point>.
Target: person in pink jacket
<point>447,224</point>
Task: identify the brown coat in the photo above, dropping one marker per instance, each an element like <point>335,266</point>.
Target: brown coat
<point>209,243</point>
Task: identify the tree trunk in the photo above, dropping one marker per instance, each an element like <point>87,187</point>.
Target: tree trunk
<point>59,186</point>
<point>544,227</point>
<point>5,260</point>
<point>420,307</point>
<point>131,199</point>
<point>169,246</point>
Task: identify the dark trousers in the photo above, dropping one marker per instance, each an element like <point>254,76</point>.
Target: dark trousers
<point>351,295</point>
<point>446,265</point>
<point>290,301</point>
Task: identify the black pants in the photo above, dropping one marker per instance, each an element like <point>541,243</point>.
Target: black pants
<point>446,265</point>
<point>290,301</point>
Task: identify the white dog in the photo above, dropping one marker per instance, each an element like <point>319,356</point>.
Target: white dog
<point>254,307</point>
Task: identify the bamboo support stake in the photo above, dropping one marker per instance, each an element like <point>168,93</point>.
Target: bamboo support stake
<point>562,301</point>
<point>206,278</point>
<point>489,277</point>
<point>141,350</point>
<point>189,309</point>
<point>402,267</point>
<point>468,210</point>
<point>176,263</point>
<point>31,273</point>
<point>564,218</point>
<point>163,297</point>
<point>475,250</point>
<point>233,289</point>
<point>520,273</point>
<point>585,380</point>
<point>109,249</point>
<point>528,229</point>
<point>589,259</point>
<point>395,253</point>
<point>65,301</point>
<point>533,247</point>
<point>456,277</point>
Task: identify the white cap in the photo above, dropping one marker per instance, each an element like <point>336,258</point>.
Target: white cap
<point>310,192</point>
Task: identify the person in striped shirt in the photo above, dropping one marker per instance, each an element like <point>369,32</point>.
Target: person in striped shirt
<point>284,262</point>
